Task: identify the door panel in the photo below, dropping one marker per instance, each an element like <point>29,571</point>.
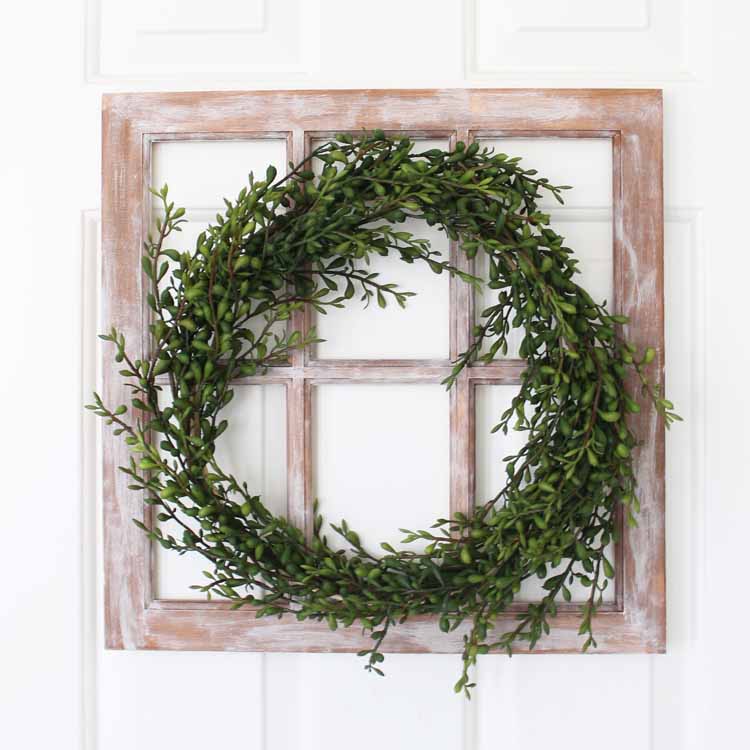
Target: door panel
<point>64,689</point>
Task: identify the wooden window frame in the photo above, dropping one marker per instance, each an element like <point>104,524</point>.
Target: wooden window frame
<point>630,119</point>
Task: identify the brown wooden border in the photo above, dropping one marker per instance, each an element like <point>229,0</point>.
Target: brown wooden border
<point>631,119</point>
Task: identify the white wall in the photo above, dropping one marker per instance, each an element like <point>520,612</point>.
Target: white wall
<point>58,687</point>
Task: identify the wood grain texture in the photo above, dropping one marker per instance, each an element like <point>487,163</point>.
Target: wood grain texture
<point>631,119</point>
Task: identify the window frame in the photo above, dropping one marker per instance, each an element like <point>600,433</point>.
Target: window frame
<point>631,119</point>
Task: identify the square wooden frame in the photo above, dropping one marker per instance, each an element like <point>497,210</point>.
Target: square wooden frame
<point>630,119</point>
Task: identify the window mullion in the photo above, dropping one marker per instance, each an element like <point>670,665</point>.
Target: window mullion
<point>298,406</point>
<point>462,417</point>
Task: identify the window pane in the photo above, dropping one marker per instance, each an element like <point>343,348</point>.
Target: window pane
<point>584,163</point>
<point>491,451</point>
<point>585,221</point>
<point>179,163</point>
<point>380,458</point>
<point>420,331</point>
<point>253,449</point>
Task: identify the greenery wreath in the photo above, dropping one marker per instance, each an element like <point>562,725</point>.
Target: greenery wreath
<point>305,239</point>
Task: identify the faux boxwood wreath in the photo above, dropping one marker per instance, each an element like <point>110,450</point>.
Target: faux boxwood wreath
<point>306,239</point>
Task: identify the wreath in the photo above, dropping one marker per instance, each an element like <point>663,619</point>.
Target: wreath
<point>306,239</point>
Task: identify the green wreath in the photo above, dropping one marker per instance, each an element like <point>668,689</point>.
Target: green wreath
<point>305,239</point>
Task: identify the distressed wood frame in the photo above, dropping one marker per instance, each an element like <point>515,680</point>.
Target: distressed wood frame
<point>630,119</point>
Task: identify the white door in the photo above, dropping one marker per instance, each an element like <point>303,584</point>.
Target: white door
<point>59,687</point>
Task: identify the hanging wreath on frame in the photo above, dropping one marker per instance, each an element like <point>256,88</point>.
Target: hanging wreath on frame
<point>305,239</point>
